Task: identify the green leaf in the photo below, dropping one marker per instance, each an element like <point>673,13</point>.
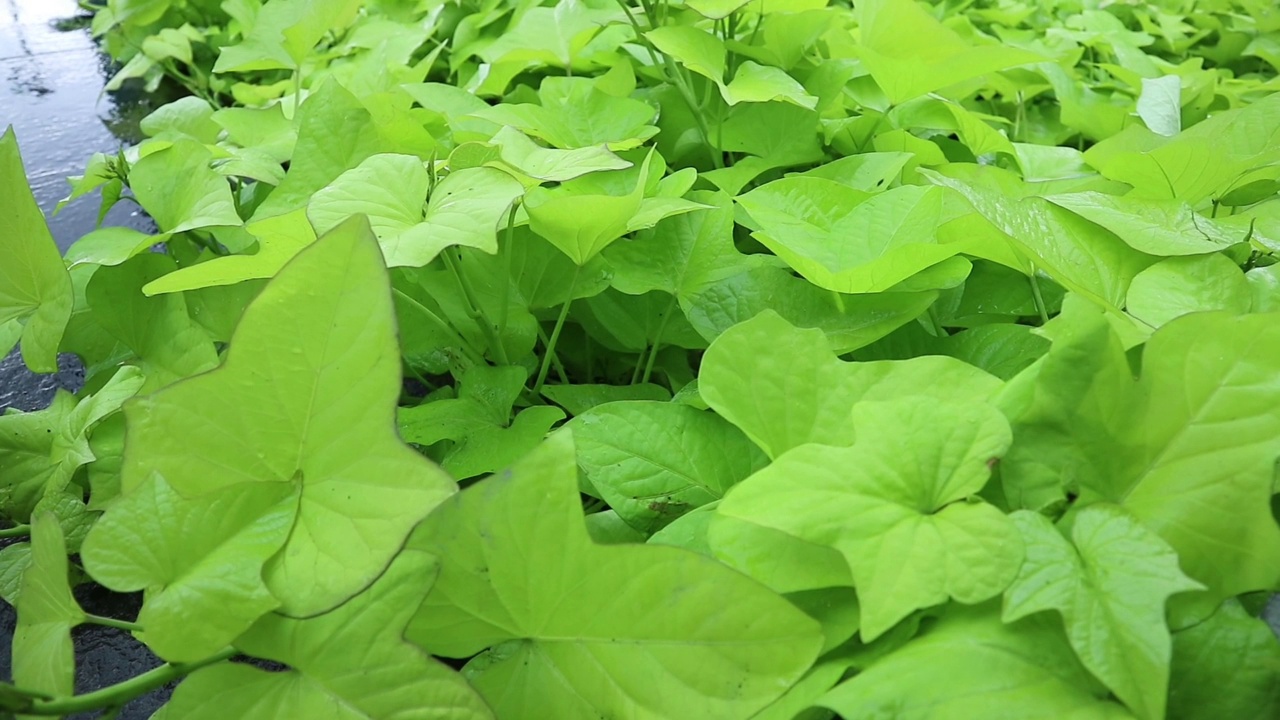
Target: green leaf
<point>1180,285</point>
<point>844,240</point>
<point>970,665</point>
<point>1187,448</point>
<point>159,331</point>
<point>900,508</point>
<point>696,50</point>
<point>336,132</point>
<point>1078,254</point>
<point>578,399</point>
<point>1227,666</point>
<point>1160,104</point>
<point>387,678</point>
<point>35,290</point>
<point>681,636</point>
<point>909,53</point>
<point>654,461</point>
<point>110,246</point>
<point>755,83</point>
<point>312,405</point>
<point>583,224</point>
<point>574,114</point>
<point>1155,227</point>
<point>43,657</point>
<point>465,208</point>
<point>551,164</point>
<point>279,239</point>
<point>1110,582</point>
<point>802,393</point>
<point>284,33</point>
<point>200,557</point>
<point>181,191</point>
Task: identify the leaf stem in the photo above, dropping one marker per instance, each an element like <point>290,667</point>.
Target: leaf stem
<point>475,311</point>
<point>555,334</point>
<point>112,622</point>
<point>1037,298</point>
<point>657,340</point>
<point>504,298</point>
<point>16,531</point>
<point>121,693</point>
<point>472,354</point>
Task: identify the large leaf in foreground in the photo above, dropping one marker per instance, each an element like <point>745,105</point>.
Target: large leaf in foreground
<point>348,664</point>
<point>307,396</point>
<point>800,392</point>
<point>35,290</point>
<point>1189,448</point>
<point>577,630</point>
<point>899,505</point>
<point>1110,582</point>
<point>971,665</point>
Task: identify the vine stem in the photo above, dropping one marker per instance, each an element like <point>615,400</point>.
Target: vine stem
<point>1038,298</point>
<point>472,354</point>
<point>505,298</point>
<point>657,340</point>
<point>16,531</point>
<point>121,693</point>
<point>112,622</point>
<point>475,310</point>
<point>555,334</point>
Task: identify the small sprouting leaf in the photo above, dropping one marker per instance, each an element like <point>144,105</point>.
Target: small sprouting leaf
<point>387,678</point>
<point>900,507</point>
<point>199,557</point>
<point>519,574</point>
<point>313,404</point>
<point>1110,582</point>
<point>43,657</point>
<point>655,461</point>
<point>35,290</point>
<point>802,393</point>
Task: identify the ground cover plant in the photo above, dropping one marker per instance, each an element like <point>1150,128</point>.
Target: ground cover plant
<point>770,359</point>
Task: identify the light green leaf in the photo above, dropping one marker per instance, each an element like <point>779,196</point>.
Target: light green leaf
<point>1155,227</point>
<point>844,240</point>
<point>716,9</point>
<point>1079,255</point>
<point>201,557</point>
<point>694,49</point>
<point>1160,104</point>
<point>492,448</point>
<point>654,461</point>
<point>181,191</point>
<point>43,657</point>
<point>548,35</point>
<point>899,506</point>
<point>802,393</point>
<point>971,665</point>
<point>583,224</point>
<point>336,132</point>
<point>1188,448</point>
<point>1180,285</point>
<point>279,239</point>
<point>575,114</point>
<point>755,83</point>
<point>551,164</point>
<point>578,399</point>
<point>682,635</point>
<point>909,53</point>
<point>110,246</point>
<point>35,289</point>
<point>284,33</point>
<point>312,405</point>
<point>1110,582</point>
<point>388,678</point>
